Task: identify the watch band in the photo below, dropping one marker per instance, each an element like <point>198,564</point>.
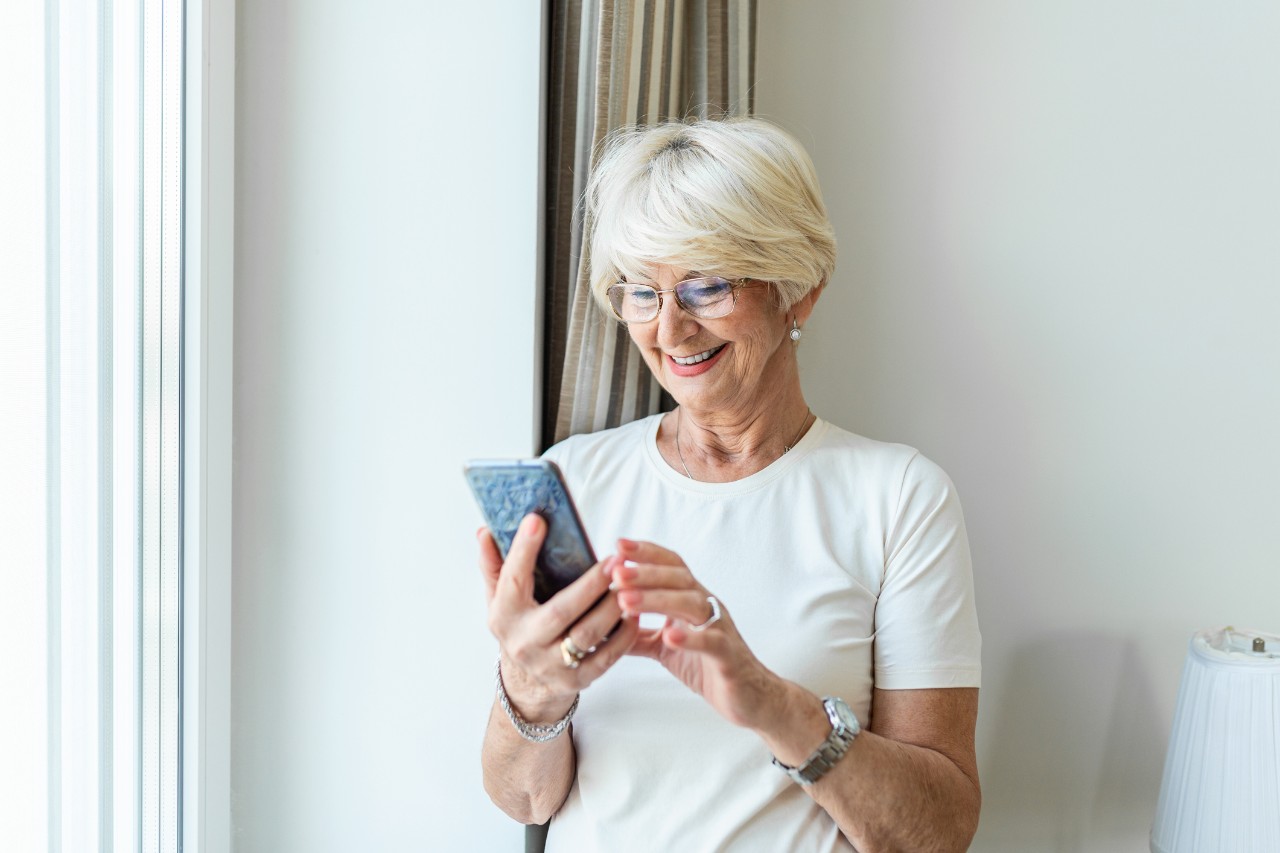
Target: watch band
<point>844,728</point>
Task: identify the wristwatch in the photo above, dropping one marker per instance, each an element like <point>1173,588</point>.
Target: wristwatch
<point>844,728</point>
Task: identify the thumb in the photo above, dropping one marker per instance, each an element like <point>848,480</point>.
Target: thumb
<point>515,580</point>
<point>648,643</point>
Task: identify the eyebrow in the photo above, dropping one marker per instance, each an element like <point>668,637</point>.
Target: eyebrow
<point>691,274</point>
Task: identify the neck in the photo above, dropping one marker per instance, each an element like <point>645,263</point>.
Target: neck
<point>718,447</point>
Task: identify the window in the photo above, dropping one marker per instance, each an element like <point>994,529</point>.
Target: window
<point>109,339</point>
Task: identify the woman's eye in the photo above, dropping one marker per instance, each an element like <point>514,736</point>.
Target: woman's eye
<point>704,293</point>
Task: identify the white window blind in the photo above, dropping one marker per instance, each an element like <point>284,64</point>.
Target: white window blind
<point>90,428</point>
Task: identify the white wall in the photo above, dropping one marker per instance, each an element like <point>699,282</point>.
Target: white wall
<point>1059,276</point>
<point>386,204</point>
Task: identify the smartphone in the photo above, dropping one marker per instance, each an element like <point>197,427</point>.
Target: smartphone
<point>508,490</point>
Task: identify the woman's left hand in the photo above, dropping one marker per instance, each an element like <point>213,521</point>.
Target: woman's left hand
<point>714,662</point>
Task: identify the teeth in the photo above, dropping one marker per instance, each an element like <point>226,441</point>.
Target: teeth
<point>694,359</point>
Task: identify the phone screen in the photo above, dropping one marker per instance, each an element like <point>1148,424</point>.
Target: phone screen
<point>507,491</point>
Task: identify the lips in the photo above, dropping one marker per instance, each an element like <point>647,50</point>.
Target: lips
<point>695,364</point>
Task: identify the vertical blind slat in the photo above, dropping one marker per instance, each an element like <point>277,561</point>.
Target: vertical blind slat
<point>92,453</point>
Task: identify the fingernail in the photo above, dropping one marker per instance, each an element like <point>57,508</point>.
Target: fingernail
<point>529,523</point>
<point>607,567</point>
<point>626,545</point>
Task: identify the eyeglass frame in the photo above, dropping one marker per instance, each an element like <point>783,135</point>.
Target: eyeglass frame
<point>736,284</point>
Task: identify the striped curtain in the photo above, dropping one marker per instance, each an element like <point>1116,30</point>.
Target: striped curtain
<point>616,63</point>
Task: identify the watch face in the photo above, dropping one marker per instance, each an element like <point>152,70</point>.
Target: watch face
<point>845,714</point>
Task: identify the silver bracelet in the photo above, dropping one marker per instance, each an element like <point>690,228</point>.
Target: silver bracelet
<point>532,731</point>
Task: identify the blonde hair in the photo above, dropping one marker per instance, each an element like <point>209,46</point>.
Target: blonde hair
<point>735,197</point>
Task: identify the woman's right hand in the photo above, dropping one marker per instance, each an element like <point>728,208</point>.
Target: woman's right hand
<point>538,682</point>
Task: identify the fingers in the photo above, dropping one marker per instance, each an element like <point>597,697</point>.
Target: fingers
<point>543,672</point>
<point>598,623</point>
<point>695,636</point>
<point>661,588</point>
<point>652,576</point>
<point>571,603</point>
<point>531,634</point>
<point>606,654</point>
<point>689,606</point>
<point>669,589</point>
<point>546,672</point>
<point>638,551</point>
<point>515,581</point>
<point>648,643</point>
<point>546,677</point>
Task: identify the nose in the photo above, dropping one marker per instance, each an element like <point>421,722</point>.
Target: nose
<point>674,323</point>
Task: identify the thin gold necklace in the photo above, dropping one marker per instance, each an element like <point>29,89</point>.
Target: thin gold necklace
<point>808,413</point>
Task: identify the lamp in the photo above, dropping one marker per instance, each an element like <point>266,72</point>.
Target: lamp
<point>1221,786</point>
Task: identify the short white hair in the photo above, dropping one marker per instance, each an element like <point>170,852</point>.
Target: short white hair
<point>737,197</point>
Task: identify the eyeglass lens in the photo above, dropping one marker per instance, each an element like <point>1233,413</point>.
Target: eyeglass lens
<point>705,298</point>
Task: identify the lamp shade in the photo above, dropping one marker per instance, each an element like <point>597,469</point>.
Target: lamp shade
<point>1221,787</point>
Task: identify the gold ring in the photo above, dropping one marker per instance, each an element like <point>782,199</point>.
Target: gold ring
<point>571,654</point>
<point>572,648</point>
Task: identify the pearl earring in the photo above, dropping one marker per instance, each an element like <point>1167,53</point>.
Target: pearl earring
<point>795,330</point>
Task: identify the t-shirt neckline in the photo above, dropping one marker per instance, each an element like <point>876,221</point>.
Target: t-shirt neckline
<point>771,472</point>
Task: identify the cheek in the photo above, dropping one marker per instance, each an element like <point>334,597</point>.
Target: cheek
<point>634,331</point>
<point>642,335</point>
<point>758,346</point>
<point>646,341</point>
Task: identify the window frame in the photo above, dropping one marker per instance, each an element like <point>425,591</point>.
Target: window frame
<point>208,294</point>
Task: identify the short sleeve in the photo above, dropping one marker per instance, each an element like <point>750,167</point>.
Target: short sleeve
<point>565,455</point>
<point>926,623</point>
<point>560,454</point>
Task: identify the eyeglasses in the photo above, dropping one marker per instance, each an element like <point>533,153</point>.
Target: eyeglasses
<point>706,298</point>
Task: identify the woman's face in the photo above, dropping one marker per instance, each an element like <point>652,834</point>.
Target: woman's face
<point>750,355</point>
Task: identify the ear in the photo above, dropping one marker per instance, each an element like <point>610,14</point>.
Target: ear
<point>804,306</point>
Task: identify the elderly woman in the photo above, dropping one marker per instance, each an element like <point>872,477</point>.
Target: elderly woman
<point>810,682</point>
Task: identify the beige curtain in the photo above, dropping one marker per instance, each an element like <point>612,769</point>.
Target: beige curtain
<point>615,63</point>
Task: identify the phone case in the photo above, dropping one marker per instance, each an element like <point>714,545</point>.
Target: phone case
<point>507,491</point>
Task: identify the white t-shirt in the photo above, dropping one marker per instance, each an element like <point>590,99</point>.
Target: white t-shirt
<point>844,564</point>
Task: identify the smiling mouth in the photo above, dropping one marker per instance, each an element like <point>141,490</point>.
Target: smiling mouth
<point>685,361</point>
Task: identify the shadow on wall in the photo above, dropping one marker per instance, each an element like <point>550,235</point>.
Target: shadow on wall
<point>1078,752</point>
